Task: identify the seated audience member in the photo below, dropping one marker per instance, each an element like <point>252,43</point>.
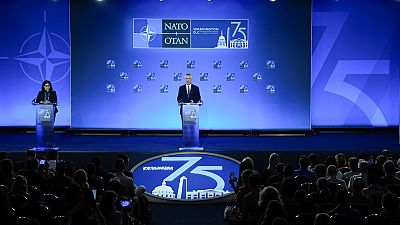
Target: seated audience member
<point>278,177</point>
<point>356,196</point>
<point>7,174</point>
<point>319,171</point>
<point>390,174</point>
<point>107,207</point>
<point>128,186</point>
<point>266,195</point>
<point>99,170</point>
<point>353,165</point>
<point>322,219</point>
<point>343,209</point>
<point>390,212</point>
<point>250,200</point>
<point>58,184</point>
<point>313,160</point>
<point>304,162</point>
<point>31,173</point>
<point>271,169</point>
<point>35,209</point>
<point>274,210</point>
<point>331,173</point>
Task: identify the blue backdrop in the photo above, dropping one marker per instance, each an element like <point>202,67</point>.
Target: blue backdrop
<point>104,95</point>
<point>355,64</point>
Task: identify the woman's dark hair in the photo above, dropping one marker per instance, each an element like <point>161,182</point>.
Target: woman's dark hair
<point>47,82</point>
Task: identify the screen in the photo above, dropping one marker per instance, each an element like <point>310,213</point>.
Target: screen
<point>250,59</point>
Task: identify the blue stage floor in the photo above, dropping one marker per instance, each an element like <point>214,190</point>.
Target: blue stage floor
<point>346,142</point>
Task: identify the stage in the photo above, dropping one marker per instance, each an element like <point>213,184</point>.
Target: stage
<point>142,147</point>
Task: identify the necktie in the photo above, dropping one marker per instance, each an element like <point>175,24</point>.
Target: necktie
<point>188,89</point>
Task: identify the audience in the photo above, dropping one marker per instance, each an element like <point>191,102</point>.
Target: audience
<point>363,193</point>
<point>57,193</point>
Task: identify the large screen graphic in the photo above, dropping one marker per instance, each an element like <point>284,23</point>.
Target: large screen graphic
<point>251,60</point>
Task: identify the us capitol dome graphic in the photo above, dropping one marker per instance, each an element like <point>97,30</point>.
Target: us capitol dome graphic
<point>183,193</point>
<point>235,43</point>
<point>163,191</point>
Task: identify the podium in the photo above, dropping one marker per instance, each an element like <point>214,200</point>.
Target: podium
<point>44,127</point>
<point>190,126</point>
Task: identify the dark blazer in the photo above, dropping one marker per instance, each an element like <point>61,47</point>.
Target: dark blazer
<point>52,98</point>
<point>194,94</point>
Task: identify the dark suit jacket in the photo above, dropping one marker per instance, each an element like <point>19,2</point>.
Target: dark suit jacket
<point>193,95</point>
<point>52,98</point>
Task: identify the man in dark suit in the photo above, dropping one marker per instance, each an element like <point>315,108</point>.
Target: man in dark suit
<point>188,93</point>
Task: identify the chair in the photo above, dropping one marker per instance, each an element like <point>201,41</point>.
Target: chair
<point>25,221</point>
<point>362,208</point>
<point>17,200</point>
<point>4,188</point>
<point>374,219</point>
<point>301,179</point>
<point>344,169</point>
<point>57,220</point>
<point>304,219</point>
<point>53,202</point>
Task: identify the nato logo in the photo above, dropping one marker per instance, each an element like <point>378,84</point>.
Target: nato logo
<point>203,76</point>
<point>257,76</point>
<point>187,176</point>
<point>190,64</point>
<point>110,64</point>
<point>137,88</point>
<point>137,63</point>
<point>177,76</point>
<point>217,88</point>
<point>163,89</point>
<point>244,64</point>
<point>270,64</point>
<point>270,89</point>
<point>217,64</point>
<point>230,77</point>
<point>123,76</point>
<point>151,76</point>
<point>164,64</point>
<point>110,88</point>
<point>244,89</point>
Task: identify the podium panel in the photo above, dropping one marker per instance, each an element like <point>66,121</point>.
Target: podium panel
<point>190,126</point>
<point>45,127</point>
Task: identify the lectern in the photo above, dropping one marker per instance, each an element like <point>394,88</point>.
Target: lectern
<point>45,127</point>
<point>190,127</point>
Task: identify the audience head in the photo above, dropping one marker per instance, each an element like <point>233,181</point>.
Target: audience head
<point>20,185</point>
<point>35,196</point>
<point>373,171</point>
<point>362,166</point>
<point>342,197</point>
<point>6,168</point>
<point>91,169</point>
<point>331,171</point>
<point>289,187</point>
<point>245,176</point>
<point>254,180</point>
<point>288,170</point>
<point>279,221</point>
<point>247,163</point>
<point>268,194</point>
<point>390,202</point>
<point>119,165</point>
<point>313,159</point>
<point>304,162</point>
<point>358,185</point>
<point>97,161</point>
<point>389,168</point>
<point>80,178</point>
<point>322,219</point>
<point>108,200</point>
<point>3,155</point>
<point>380,160</point>
<point>340,160</point>
<point>30,154</point>
<point>274,210</point>
<point>124,157</point>
<point>60,168</point>
<point>353,164</point>
<point>320,170</point>
<point>273,161</point>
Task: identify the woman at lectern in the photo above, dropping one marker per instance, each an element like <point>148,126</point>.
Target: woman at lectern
<point>47,95</point>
